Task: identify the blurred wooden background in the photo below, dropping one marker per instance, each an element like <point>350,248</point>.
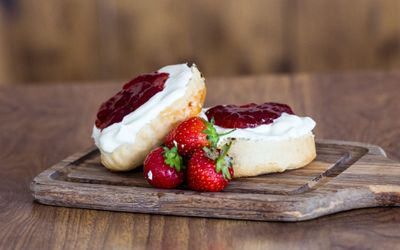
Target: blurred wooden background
<point>70,40</point>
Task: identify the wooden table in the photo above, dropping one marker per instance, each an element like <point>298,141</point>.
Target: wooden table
<point>41,125</point>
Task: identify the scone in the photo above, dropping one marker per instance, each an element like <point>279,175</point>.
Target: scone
<point>134,121</point>
<point>267,138</point>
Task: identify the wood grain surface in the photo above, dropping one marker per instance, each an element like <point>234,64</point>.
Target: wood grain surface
<point>40,125</point>
<point>344,176</point>
<point>74,40</point>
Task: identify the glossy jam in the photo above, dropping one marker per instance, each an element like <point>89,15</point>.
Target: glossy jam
<point>246,116</point>
<point>133,94</point>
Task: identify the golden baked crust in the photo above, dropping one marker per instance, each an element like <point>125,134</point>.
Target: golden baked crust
<point>129,156</point>
<point>256,157</point>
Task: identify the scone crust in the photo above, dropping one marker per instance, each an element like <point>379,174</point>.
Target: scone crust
<point>256,157</point>
<point>130,156</point>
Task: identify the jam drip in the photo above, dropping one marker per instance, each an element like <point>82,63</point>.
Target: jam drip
<point>133,95</point>
<point>246,116</point>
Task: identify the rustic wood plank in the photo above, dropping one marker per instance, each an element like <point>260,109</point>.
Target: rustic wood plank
<point>5,66</point>
<point>301,194</point>
<point>359,34</point>
<point>95,39</point>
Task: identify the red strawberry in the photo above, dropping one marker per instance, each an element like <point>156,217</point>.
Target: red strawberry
<point>188,136</point>
<point>192,134</point>
<point>163,168</point>
<point>209,170</point>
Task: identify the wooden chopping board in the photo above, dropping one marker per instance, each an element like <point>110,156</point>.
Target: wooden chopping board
<point>344,176</point>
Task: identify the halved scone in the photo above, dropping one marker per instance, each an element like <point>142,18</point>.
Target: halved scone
<point>173,94</point>
<point>265,138</point>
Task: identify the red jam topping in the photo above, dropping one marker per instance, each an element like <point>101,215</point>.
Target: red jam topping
<point>133,95</point>
<point>246,116</point>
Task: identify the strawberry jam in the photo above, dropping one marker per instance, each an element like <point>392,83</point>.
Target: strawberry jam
<point>246,116</point>
<point>133,95</point>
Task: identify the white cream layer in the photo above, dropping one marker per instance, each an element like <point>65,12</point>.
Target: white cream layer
<point>124,132</point>
<point>284,127</point>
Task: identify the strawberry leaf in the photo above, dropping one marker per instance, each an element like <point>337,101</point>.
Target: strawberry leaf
<point>211,132</point>
<point>211,153</point>
<point>219,166</point>
<point>173,159</point>
<point>226,174</point>
<point>212,135</point>
<point>224,162</point>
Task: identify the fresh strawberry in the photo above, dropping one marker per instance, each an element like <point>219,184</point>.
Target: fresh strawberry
<point>188,136</point>
<point>209,170</point>
<point>192,134</point>
<point>163,168</point>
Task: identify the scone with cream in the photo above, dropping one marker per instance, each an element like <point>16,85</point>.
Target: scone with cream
<point>135,120</point>
<point>267,138</point>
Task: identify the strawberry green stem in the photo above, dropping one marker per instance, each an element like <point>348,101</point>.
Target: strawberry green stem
<point>212,135</point>
<point>226,133</point>
<point>173,159</point>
